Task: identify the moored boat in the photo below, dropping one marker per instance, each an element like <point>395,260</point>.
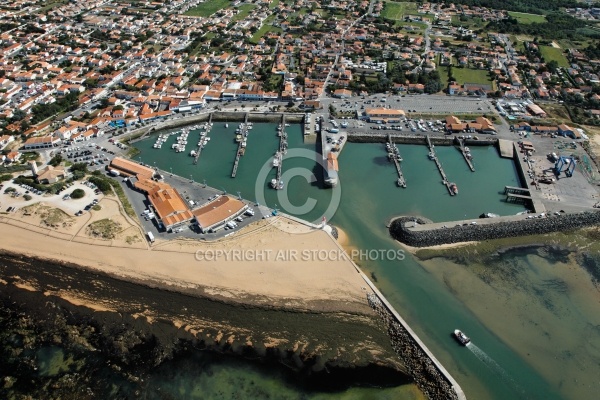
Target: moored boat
<point>461,337</point>
<point>454,188</point>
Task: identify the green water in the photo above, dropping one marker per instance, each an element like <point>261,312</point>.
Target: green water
<point>369,199</point>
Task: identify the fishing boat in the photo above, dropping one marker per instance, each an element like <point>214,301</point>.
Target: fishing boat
<point>454,188</point>
<point>238,138</point>
<point>461,337</point>
<point>431,155</point>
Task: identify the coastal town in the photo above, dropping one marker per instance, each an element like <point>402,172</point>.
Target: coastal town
<point>98,98</point>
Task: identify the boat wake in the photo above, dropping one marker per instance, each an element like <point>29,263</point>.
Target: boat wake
<point>497,369</point>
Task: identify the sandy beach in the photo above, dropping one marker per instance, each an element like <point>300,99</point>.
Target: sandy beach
<point>261,265</point>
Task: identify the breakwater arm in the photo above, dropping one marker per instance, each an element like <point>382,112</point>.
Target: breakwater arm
<point>404,229</point>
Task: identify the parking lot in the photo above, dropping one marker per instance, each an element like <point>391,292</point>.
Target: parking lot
<point>432,104</point>
<point>16,199</point>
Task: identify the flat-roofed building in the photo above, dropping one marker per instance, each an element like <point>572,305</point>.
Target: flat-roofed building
<point>218,212</point>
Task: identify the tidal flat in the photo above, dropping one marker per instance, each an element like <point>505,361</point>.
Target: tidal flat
<point>539,295</point>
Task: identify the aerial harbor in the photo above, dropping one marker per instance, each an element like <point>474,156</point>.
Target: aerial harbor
<point>292,199</point>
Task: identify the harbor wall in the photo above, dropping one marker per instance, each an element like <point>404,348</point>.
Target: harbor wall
<point>496,229</point>
<point>232,116</point>
<point>429,374</point>
<point>415,139</point>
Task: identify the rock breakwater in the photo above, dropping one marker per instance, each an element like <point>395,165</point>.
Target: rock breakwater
<point>419,365</point>
<point>494,230</point>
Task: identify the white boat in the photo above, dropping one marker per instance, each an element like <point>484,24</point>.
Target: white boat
<point>431,155</point>
<point>276,161</point>
<point>461,337</point>
<point>276,185</point>
<point>193,153</point>
<point>226,125</point>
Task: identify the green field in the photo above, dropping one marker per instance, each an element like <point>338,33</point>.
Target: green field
<point>274,3</point>
<point>419,26</point>
<point>396,11</point>
<point>245,10</point>
<point>208,8</point>
<point>524,18</point>
<point>552,53</point>
<point>267,27</point>
<point>469,75</point>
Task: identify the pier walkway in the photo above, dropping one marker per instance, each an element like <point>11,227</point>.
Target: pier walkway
<point>466,154</point>
<point>241,149</point>
<point>202,136</point>
<point>439,166</point>
<point>396,158</point>
<point>282,150</point>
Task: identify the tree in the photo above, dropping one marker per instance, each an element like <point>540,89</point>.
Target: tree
<point>56,160</point>
<point>552,66</point>
<point>77,194</point>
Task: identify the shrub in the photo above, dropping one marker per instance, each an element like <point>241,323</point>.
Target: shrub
<point>77,194</point>
<point>10,189</point>
<point>5,177</point>
<point>102,183</point>
<point>27,197</point>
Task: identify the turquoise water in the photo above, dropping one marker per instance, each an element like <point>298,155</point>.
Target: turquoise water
<point>369,199</point>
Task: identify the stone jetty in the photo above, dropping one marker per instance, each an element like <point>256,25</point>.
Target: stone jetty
<point>404,229</point>
<point>419,364</point>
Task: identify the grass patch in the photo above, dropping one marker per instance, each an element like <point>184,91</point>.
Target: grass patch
<point>132,239</point>
<point>273,4</point>
<point>51,217</point>
<point>267,27</point>
<point>552,53</point>
<point>50,6</point>
<point>244,11</point>
<point>413,27</point>
<point>470,75</point>
<point>397,11</point>
<point>104,229</point>
<point>525,18</point>
<point>208,8</point>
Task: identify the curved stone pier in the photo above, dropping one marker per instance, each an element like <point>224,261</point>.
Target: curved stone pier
<point>423,234</point>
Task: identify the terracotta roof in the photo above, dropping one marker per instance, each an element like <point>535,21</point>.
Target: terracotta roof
<point>131,168</point>
<point>218,211</point>
<point>169,205</point>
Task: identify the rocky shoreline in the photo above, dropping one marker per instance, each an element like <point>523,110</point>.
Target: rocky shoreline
<point>140,328</point>
<point>495,230</point>
<point>420,366</point>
